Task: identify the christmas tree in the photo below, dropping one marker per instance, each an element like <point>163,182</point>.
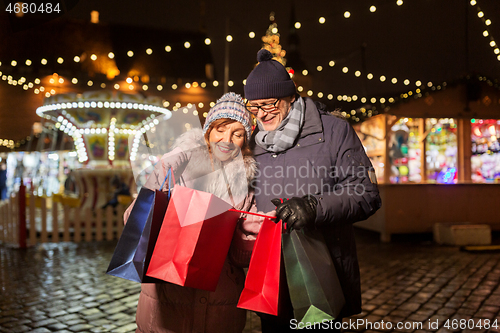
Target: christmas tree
<point>272,41</point>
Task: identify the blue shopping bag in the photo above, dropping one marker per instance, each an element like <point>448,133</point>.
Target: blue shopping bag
<point>136,244</point>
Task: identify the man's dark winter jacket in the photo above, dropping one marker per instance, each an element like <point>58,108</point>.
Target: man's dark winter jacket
<point>329,162</point>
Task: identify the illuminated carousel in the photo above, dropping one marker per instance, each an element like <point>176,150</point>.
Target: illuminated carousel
<point>106,128</point>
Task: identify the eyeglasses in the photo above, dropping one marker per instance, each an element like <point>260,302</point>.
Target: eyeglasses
<point>254,109</point>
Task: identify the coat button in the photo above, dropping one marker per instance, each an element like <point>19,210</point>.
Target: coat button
<point>320,139</point>
<point>298,144</point>
<point>203,300</point>
<point>274,155</point>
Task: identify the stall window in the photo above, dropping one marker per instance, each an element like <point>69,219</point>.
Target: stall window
<point>405,152</point>
<point>371,134</point>
<point>441,152</point>
<point>485,160</point>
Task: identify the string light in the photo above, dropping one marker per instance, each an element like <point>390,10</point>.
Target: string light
<point>305,72</point>
<point>487,22</point>
<point>228,38</point>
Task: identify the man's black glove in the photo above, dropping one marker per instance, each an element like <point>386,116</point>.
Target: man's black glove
<point>296,212</point>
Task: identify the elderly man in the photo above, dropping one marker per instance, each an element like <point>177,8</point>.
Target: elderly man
<point>316,161</point>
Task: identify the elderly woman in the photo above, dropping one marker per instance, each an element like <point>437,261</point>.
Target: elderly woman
<point>215,160</point>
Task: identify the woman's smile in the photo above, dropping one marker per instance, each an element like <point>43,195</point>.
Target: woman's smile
<point>224,148</point>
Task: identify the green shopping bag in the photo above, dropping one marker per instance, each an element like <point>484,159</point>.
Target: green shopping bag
<point>315,289</point>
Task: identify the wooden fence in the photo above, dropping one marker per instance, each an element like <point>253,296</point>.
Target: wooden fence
<point>52,221</point>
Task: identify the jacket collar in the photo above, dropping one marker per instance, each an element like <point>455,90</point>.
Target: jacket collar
<point>312,125</point>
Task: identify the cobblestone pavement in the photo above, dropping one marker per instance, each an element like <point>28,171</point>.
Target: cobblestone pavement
<point>63,288</point>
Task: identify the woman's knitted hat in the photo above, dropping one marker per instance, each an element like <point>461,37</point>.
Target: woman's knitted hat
<point>269,79</point>
<point>230,106</point>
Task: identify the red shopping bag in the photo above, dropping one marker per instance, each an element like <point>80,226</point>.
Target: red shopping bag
<point>262,282</point>
<point>194,239</point>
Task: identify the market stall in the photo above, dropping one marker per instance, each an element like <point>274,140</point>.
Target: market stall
<point>437,159</point>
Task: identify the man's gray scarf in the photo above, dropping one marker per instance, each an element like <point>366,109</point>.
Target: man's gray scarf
<point>283,137</point>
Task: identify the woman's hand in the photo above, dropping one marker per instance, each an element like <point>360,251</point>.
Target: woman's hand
<point>245,236</point>
<point>127,212</point>
<point>175,160</point>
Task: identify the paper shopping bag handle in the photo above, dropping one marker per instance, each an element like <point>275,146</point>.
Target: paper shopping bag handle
<point>256,214</point>
<point>170,179</point>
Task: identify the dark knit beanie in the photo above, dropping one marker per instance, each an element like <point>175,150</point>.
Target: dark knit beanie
<point>269,79</point>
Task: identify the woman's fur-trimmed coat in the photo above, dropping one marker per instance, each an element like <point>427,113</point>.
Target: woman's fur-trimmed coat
<point>166,307</point>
